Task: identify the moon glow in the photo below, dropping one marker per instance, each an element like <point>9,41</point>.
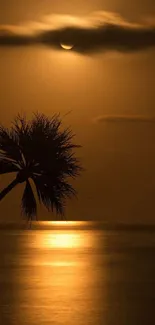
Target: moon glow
<point>66,46</point>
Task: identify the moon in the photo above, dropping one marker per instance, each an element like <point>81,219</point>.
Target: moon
<point>66,46</point>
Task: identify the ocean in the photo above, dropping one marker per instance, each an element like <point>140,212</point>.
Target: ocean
<point>77,273</point>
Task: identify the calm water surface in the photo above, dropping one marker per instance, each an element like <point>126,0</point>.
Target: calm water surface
<point>77,273</point>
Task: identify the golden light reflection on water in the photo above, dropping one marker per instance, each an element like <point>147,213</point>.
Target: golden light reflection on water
<point>63,223</point>
<point>63,235</point>
<point>60,275</point>
<point>61,240</point>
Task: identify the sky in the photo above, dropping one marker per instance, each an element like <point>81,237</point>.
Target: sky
<point>106,83</point>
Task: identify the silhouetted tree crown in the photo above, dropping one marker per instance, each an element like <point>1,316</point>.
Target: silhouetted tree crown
<point>40,150</point>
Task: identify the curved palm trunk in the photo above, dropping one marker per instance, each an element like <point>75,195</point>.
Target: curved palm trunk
<point>8,188</point>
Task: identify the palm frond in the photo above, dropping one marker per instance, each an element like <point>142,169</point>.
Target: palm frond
<point>53,193</point>
<point>29,206</point>
<point>9,145</point>
<point>42,150</point>
<point>7,167</point>
<point>67,189</point>
<point>21,128</point>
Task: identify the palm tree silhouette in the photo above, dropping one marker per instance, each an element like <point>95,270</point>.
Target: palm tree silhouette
<point>41,152</point>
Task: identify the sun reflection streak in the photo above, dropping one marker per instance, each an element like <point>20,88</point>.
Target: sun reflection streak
<point>61,240</point>
<point>59,273</point>
<point>62,235</point>
<point>61,223</point>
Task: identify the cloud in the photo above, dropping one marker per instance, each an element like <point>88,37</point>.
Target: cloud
<point>101,31</point>
<point>124,119</point>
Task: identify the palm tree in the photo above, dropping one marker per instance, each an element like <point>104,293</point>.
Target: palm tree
<point>39,151</point>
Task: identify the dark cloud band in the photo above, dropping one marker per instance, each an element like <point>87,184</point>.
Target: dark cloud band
<point>107,36</point>
<point>104,38</point>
